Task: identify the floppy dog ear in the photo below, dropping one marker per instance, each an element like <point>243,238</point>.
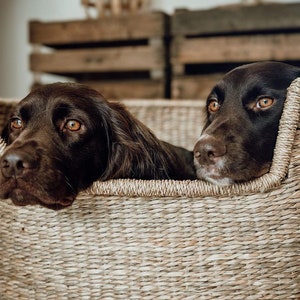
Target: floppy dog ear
<point>5,133</point>
<point>123,145</point>
<point>134,151</point>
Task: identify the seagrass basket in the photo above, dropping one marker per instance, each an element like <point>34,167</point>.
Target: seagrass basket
<point>134,239</point>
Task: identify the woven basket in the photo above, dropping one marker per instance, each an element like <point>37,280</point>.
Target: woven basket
<point>134,239</point>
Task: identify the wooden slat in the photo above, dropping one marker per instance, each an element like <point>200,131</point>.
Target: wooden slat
<point>141,58</point>
<point>193,87</point>
<point>132,89</point>
<point>237,49</point>
<point>140,26</point>
<point>232,19</point>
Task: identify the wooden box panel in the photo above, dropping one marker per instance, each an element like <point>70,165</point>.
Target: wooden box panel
<point>237,19</point>
<point>244,48</point>
<point>210,42</point>
<point>194,87</point>
<point>126,89</point>
<point>118,59</point>
<point>121,56</point>
<point>135,27</point>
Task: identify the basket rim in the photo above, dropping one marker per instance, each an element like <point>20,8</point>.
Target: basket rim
<point>194,188</point>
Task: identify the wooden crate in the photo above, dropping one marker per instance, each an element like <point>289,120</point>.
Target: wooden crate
<point>124,53</point>
<point>208,43</point>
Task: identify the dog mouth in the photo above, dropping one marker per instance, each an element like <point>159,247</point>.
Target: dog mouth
<point>212,173</point>
<point>220,175</point>
<point>23,193</point>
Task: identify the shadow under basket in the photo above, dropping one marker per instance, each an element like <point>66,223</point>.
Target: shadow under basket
<point>135,239</point>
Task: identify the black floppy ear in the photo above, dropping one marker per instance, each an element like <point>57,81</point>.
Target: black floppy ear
<point>5,134</point>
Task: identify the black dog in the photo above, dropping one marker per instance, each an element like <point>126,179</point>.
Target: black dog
<point>62,137</point>
<point>243,113</point>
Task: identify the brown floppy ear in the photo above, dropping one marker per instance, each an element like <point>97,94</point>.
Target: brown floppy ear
<point>5,133</point>
<point>135,151</point>
<point>121,129</point>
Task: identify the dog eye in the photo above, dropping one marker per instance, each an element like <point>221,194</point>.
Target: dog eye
<point>73,125</point>
<point>214,105</point>
<point>264,102</point>
<point>16,123</point>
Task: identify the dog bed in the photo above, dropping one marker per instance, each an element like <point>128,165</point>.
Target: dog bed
<point>135,239</point>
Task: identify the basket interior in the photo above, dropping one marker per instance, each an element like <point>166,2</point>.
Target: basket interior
<point>165,245</point>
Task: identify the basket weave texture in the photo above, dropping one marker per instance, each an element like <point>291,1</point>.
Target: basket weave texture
<point>135,239</point>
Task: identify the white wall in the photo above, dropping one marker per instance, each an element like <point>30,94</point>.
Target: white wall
<point>15,79</point>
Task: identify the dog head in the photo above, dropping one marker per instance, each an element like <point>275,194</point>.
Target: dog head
<point>243,114</point>
<point>64,136</point>
<point>51,145</point>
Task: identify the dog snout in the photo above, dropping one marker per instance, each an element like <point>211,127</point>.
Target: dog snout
<point>16,164</point>
<point>208,149</point>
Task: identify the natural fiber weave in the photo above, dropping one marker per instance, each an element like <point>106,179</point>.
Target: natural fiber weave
<point>134,239</point>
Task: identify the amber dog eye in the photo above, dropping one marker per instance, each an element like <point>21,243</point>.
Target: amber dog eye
<point>264,103</point>
<point>73,125</point>
<point>16,123</point>
<point>214,105</point>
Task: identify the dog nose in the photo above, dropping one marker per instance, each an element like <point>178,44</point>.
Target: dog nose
<point>14,164</point>
<point>209,148</point>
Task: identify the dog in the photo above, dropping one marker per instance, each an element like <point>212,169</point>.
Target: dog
<point>243,114</point>
<point>64,136</point>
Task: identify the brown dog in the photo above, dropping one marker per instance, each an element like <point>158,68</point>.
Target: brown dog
<point>243,113</point>
<point>62,137</point>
